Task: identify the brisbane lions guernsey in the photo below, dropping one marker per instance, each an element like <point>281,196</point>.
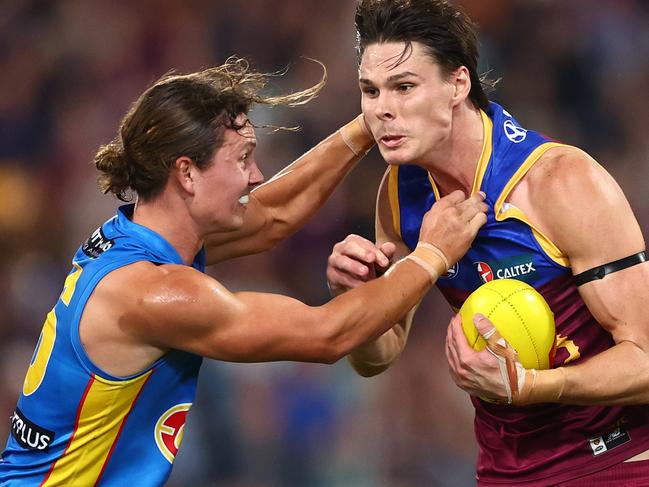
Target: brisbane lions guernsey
<point>76,425</point>
<point>544,443</point>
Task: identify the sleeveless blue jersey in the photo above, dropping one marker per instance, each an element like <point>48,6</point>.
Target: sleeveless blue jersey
<point>76,425</point>
<point>524,445</point>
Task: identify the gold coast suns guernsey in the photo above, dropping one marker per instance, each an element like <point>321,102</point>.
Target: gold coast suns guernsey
<point>74,424</point>
<point>544,443</point>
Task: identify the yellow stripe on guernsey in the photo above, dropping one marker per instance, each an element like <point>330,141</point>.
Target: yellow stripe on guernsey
<point>485,155</point>
<point>513,212</point>
<point>393,195</point>
<point>483,162</point>
<point>100,418</point>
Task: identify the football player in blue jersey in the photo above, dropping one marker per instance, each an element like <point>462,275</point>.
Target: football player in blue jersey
<point>114,373</point>
<point>557,220</point>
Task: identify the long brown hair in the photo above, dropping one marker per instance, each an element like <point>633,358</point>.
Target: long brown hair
<point>183,115</point>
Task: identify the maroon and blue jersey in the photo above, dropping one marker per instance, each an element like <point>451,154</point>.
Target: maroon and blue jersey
<point>77,425</point>
<point>524,445</point>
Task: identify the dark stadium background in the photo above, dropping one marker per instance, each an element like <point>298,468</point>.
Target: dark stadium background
<point>577,70</point>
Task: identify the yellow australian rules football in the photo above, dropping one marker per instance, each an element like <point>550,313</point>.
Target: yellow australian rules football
<point>519,313</point>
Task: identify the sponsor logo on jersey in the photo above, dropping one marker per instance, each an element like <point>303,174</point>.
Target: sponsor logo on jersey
<point>169,430</point>
<point>514,132</point>
<point>520,267</point>
<point>29,435</point>
<point>485,272</point>
<point>451,272</point>
<point>96,244</point>
<point>613,439</point>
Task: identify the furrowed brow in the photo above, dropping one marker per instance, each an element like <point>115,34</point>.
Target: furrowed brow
<point>398,77</point>
<point>395,78</point>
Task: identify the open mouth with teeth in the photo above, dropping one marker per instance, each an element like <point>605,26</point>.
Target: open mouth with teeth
<point>244,199</point>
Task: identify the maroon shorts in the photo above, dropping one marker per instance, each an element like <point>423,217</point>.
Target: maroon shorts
<point>625,474</point>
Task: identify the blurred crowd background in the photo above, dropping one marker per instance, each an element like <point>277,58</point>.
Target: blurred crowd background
<point>577,71</point>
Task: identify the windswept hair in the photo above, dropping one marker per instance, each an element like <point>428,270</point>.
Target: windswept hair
<point>184,115</point>
<point>447,33</point>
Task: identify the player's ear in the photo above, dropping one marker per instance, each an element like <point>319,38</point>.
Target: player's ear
<point>183,173</point>
<point>461,80</point>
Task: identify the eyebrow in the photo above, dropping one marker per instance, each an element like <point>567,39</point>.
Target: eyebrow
<point>250,144</point>
<point>391,79</point>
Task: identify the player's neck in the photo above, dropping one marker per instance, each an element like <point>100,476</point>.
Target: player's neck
<point>167,217</point>
<point>453,166</point>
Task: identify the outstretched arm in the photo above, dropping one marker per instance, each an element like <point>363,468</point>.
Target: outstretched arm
<point>184,309</point>
<point>281,206</point>
<point>583,210</point>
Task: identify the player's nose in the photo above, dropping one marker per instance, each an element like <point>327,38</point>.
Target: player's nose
<point>384,109</point>
<point>256,176</point>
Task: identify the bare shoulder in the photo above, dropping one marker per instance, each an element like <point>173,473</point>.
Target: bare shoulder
<point>139,281</point>
<point>146,293</point>
<point>117,317</point>
<point>567,168</point>
<point>573,200</point>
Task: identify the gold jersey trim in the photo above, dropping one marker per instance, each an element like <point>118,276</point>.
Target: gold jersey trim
<point>393,195</point>
<point>513,212</point>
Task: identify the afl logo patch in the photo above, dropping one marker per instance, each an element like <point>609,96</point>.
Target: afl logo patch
<point>485,272</point>
<point>451,272</point>
<point>169,430</point>
<point>513,132</point>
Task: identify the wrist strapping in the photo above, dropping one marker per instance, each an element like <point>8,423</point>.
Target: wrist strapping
<point>543,386</point>
<point>357,137</point>
<point>430,258</point>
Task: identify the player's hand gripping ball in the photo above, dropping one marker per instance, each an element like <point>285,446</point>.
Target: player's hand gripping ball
<point>521,316</point>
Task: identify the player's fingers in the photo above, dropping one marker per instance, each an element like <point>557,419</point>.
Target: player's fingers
<point>468,212</point>
<point>388,249</point>
<point>381,257</point>
<point>360,248</point>
<point>484,326</point>
<point>356,251</point>
<point>486,329</point>
<point>453,198</point>
<point>451,353</point>
<point>478,220</point>
<point>462,342</point>
<point>495,341</point>
<point>447,345</point>
<point>474,201</point>
<point>339,263</point>
<point>457,341</point>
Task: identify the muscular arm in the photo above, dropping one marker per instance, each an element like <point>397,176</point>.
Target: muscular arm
<point>184,309</point>
<point>284,204</point>
<point>584,211</point>
<point>140,311</point>
<point>579,206</point>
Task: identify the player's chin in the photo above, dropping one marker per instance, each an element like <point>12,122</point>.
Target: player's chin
<point>396,157</point>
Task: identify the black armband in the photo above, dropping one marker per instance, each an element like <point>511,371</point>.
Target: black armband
<point>600,271</point>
